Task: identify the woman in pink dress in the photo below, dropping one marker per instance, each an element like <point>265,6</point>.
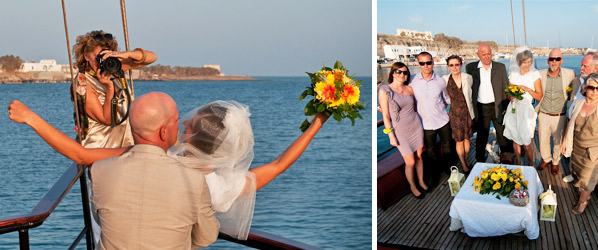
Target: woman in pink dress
<point>403,125</point>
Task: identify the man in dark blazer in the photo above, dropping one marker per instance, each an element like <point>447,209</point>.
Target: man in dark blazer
<point>489,99</point>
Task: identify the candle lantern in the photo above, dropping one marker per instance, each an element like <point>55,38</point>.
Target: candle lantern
<point>548,202</point>
<point>455,181</point>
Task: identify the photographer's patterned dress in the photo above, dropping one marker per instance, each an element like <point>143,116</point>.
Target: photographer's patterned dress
<point>96,134</point>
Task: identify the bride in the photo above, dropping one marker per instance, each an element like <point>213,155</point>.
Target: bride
<point>216,138</point>
<point>520,117</point>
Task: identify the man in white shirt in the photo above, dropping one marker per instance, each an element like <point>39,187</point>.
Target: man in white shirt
<point>489,99</point>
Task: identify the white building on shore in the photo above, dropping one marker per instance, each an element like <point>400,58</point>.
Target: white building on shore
<point>46,65</point>
<point>214,66</point>
<point>401,52</point>
<point>425,35</point>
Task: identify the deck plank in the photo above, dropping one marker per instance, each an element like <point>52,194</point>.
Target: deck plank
<point>413,223</point>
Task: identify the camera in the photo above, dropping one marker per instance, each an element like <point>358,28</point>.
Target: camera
<point>111,65</point>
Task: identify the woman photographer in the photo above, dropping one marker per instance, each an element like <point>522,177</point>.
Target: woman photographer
<point>95,88</point>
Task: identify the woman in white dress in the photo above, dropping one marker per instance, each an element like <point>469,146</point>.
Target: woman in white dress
<point>216,138</point>
<point>520,117</point>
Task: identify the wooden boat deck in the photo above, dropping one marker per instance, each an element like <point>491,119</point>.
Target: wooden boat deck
<point>411,223</point>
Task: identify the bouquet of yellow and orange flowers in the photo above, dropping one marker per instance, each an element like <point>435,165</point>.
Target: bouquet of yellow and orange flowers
<point>334,92</point>
<point>516,92</point>
<point>500,181</point>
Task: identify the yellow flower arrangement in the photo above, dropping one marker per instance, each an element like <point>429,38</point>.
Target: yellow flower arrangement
<point>500,181</point>
<point>334,92</point>
<point>516,92</point>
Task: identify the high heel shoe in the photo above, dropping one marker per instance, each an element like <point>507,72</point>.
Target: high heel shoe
<point>577,210</point>
<point>575,204</point>
<point>421,196</point>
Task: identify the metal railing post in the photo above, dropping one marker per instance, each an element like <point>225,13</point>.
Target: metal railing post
<point>86,211</point>
<point>24,239</point>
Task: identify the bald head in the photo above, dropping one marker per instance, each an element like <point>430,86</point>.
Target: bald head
<point>149,113</point>
<point>555,59</point>
<point>556,52</point>
<point>485,54</point>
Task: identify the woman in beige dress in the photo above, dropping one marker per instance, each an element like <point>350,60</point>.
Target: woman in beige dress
<point>96,89</point>
<point>581,142</point>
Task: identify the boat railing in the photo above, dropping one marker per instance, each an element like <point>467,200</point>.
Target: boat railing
<point>44,208</point>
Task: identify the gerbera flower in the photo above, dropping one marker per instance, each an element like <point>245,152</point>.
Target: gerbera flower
<point>350,94</point>
<point>326,91</point>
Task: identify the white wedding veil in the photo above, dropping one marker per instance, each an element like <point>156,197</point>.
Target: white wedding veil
<point>217,138</point>
<point>523,52</point>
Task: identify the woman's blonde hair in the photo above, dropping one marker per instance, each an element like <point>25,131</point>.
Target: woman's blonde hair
<point>88,42</point>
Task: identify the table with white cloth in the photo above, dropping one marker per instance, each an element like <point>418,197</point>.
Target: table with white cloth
<point>485,215</point>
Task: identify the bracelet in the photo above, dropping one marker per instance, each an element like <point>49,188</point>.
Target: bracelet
<point>387,130</point>
<point>142,60</point>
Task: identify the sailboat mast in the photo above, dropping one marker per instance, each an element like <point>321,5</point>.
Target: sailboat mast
<point>513,23</point>
<point>524,31</point>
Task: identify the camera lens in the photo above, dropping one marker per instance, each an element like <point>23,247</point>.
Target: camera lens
<point>111,65</point>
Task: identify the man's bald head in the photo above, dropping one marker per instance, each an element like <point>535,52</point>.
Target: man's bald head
<point>149,113</point>
<point>485,54</point>
<point>555,59</point>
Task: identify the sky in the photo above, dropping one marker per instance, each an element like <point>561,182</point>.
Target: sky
<point>548,22</point>
<point>255,38</point>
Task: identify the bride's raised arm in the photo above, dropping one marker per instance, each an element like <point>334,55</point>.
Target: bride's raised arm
<point>20,113</point>
<point>266,173</point>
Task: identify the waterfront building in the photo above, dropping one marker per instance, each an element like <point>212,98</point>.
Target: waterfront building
<point>47,65</point>
<point>401,52</point>
<point>425,35</point>
<point>214,66</point>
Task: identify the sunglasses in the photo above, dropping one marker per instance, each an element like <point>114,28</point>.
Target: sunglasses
<point>99,37</point>
<point>558,59</point>
<point>454,65</point>
<point>397,71</point>
<point>425,63</point>
<point>592,88</point>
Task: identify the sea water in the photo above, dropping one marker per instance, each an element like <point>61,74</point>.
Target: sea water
<point>323,199</point>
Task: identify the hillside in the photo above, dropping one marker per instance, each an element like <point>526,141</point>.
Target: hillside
<point>452,45</point>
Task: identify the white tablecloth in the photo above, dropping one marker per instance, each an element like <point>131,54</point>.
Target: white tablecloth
<point>484,215</point>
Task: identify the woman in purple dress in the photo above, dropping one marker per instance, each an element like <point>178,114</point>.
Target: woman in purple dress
<point>403,126</point>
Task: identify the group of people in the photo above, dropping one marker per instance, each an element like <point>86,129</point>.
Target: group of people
<point>153,185</point>
<point>415,116</point>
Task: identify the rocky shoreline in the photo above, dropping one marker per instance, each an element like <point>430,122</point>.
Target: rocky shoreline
<point>58,77</point>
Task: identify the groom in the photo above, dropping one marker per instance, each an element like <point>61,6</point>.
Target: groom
<point>144,198</point>
<point>489,100</point>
